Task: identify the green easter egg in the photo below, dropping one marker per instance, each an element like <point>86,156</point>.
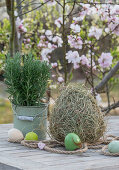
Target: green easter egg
<point>31,136</point>
<point>113,147</point>
<point>72,142</point>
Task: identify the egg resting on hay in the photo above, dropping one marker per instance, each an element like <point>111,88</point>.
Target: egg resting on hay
<point>76,111</point>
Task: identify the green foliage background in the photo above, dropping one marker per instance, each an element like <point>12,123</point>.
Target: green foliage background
<point>43,19</point>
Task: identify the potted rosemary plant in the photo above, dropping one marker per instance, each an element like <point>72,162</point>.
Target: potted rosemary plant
<point>26,80</point>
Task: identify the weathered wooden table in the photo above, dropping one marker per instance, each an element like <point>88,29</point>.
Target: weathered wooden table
<point>15,156</point>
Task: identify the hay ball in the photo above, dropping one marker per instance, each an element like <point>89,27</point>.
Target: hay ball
<point>76,111</point>
<point>15,135</point>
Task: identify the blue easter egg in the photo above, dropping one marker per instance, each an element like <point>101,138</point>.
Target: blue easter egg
<point>113,147</point>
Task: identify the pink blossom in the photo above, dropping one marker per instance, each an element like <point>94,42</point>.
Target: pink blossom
<point>73,57</point>
<point>75,42</point>
<point>77,19</point>
<point>115,10</point>
<point>47,50</point>
<point>107,30</point>
<point>42,37</point>
<point>75,28</point>
<point>76,66</point>
<point>49,57</point>
<point>84,60</point>
<point>28,40</point>
<point>59,22</point>
<point>52,46</point>
<point>87,62</point>
<point>49,35</point>
<point>60,79</point>
<point>57,40</point>
<point>20,27</point>
<point>41,145</point>
<point>85,10</point>
<point>105,60</point>
<point>93,65</point>
<point>95,32</point>
<point>114,25</point>
<point>93,10</point>
<point>24,40</point>
<point>54,65</point>
<point>42,42</point>
<point>53,75</point>
<point>44,54</point>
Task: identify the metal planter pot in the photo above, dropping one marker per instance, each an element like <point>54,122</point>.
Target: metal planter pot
<point>31,118</point>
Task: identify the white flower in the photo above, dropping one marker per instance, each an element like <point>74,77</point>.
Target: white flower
<point>75,28</point>
<point>57,40</point>
<point>20,27</point>
<point>98,99</point>
<point>44,54</point>
<point>60,79</point>
<point>59,22</point>
<point>75,41</point>
<point>73,57</point>
<point>105,60</point>
<point>114,25</point>
<point>76,65</point>
<point>95,32</point>
<point>15,13</point>
<point>93,65</point>
<point>53,75</point>
<point>48,33</point>
<point>54,65</point>
<point>77,19</point>
<point>107,30</point>
<point>84,60</point>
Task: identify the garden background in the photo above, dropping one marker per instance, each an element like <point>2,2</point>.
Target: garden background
<point>43,21</point>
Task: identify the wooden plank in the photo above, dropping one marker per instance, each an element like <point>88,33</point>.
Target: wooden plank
<point>56,160</point>
<point>17,156</point>
<point>20,163</point>
<point>7,167</point>
<point>91,165</point>
<point>11,148</point>
<point>24,152</point>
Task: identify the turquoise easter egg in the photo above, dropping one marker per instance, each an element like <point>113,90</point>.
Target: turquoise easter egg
<point>72,142</point>
<point>113,147</point>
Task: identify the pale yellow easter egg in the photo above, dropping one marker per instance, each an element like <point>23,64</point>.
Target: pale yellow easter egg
<point>15,135</point>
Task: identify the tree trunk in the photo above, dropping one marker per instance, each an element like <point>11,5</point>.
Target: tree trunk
<point>104,81</point>
<point>19,10</point>
<point>14,43</point>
